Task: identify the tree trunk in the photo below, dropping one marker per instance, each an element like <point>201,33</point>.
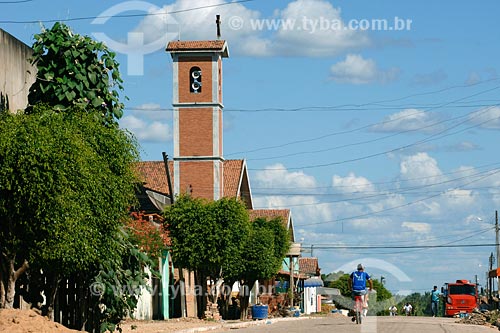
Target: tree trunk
<point>8,277</point>
<point>3,283</point>
<point>201,296</point>
<point>244,299</point>
<point>225,297</point>
<point>51,293</point>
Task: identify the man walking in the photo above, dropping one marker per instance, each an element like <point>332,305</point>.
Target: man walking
<point>435,301</point>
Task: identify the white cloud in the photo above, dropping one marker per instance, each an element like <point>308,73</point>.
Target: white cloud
<point>149,122</point>
<point>418,227</point>
<point>319,30</point>
<point>306,208</point>
<point>147,131</point>
<point>459,198</point>
<point>277,176</point>
<point>408,120</point>
<point>357,70</point>
<point>150,111</point>
<point>462,146</point>
<point>420,169</point>
<point>369,222</point>
<point>476,77</point>
<point>488,117</point>
<point>351,184</point>
<point>294,30</point>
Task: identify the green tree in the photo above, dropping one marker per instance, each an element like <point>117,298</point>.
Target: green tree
<point>66,184</point>
<point>207,238</point>
<point>265,249</point>
<point>421,303</point>
<point>216,239</point>
<point>341,283</point>
<point>75,70</point>
<point>232,216</point>
<point>382,292</point>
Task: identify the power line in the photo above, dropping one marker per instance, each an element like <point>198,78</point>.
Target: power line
<point>83,18</point>
<point>361,142</point>
<point>353,107</point>
<point>416,143</point>
<point>327,108</point>
<point>362,127</point>
<point>413,248</point>
<point>368,247</point>
<point>14,1</point>
<point>391,208</point>
<point>383,183</point>
<point>400,191</point>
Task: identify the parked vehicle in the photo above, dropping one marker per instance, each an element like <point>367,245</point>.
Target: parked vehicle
<point>461,297</point>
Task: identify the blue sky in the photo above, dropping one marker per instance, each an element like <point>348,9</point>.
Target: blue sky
<point>376,137</point>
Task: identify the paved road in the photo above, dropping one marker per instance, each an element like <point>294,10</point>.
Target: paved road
<point>337,324</point>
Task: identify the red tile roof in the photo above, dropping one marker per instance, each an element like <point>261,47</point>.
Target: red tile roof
<point>154,176</point>
<point>232,174</point>
<point>197,46</point>
<point>285,214</point>
<point>270,213</point>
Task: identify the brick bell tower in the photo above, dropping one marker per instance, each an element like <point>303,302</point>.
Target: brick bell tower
<point>197,111</point>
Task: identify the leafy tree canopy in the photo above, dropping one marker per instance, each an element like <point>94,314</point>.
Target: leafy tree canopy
<point>208,236</point>
<point>263,256</point>
<point>66,184</point>
<point>75,70</point>
<point>232,218</point>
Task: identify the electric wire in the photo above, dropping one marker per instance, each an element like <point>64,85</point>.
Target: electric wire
<point>85,18</point>
<point>362,127</point>
<point>389,208</point>
<point>401,191</point>
<point>430,138</point>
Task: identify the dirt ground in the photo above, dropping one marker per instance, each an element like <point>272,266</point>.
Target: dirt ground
<point>28,321</point>
<point>164,326</point>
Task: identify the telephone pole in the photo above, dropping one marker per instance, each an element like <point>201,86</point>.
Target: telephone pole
<point>490,279</point>
<point>496,238</point>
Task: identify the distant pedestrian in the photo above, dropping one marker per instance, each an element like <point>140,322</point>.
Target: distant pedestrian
<point>393,310</point>
<point>435,294</point>
<point>408,308</point>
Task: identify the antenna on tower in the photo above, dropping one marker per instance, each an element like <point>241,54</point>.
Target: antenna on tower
<point>217,21</point>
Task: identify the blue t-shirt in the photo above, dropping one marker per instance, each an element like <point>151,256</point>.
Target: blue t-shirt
<point>435,295</point>
<point>359,279</point>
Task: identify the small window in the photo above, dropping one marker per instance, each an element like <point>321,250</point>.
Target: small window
<point>195,80</point>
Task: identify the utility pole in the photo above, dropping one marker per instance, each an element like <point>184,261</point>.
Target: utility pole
<point>292,282</point>
<point>490,279</point>
<point>496,238</point>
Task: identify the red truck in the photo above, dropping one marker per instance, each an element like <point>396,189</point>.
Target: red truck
<point>460,297</point>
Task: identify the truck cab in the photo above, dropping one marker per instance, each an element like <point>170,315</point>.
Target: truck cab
<point>460,297</point>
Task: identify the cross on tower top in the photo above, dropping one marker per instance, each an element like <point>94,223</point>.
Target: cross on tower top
<point>217,21</point>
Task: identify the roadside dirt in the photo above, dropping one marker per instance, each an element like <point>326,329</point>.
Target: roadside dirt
<point>164,326</point>
<point>28,321</point>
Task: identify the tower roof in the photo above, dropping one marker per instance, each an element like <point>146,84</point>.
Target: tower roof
<point>189,46</point>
